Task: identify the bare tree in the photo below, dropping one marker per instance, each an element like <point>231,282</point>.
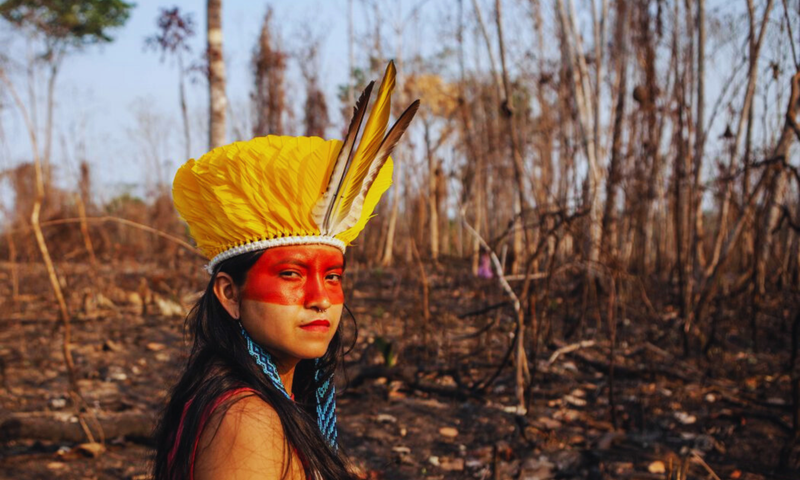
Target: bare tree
<point>610,218</point>
<point>388,246</point>
<point>586,102</point>
<point>218,101</point>
<point>175,31</point>
<point>777,186</point>
<point>752,78</point>
<point>315,111</point>
<point>269,69</point>
<point>700,134</point>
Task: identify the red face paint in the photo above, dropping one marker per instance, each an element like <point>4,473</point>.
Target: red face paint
<point>308,275</point>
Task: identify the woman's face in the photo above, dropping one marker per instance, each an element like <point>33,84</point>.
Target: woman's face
<point>292,300</point>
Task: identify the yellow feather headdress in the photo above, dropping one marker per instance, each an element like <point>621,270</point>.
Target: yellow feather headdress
<point>277,190</point>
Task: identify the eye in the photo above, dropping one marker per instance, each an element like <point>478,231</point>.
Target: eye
<point>289,274</point>
<point>335,277</point>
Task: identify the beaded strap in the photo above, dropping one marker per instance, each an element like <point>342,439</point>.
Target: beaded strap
<point>264,360</point>
<point>326,407</point>
<point>326,390</point>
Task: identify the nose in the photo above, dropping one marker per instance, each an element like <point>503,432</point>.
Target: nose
<point>316,295</point>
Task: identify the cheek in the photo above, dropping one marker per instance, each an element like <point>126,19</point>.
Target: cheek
<point>268,289</point>
<point>336,315</point>
<point>336,294</point>
<point>267,320</point>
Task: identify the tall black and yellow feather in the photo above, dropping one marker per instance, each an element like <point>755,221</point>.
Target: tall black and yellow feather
<point>323,209</point>
<point>387,145</point>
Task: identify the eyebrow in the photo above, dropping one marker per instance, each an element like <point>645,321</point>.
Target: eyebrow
<point>292,261</point>
<point>300,263</point>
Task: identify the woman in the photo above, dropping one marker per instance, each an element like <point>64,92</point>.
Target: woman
<point>273,215</point>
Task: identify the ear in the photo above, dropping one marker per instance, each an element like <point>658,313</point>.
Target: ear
<point>227,293</point>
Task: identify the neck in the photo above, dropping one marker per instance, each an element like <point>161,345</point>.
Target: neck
<point>286,372</point>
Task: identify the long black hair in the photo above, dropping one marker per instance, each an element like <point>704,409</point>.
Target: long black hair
<point>219,361</point>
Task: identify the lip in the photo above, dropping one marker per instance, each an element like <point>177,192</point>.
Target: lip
<point>317,326</point>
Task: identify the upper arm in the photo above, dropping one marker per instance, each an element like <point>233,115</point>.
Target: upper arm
<point>245,442</point>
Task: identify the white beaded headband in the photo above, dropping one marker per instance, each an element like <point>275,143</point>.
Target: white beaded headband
<point>274,242</point>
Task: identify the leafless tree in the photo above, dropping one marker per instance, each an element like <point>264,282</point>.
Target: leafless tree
<point>218,100</point>
<point>269,69</point>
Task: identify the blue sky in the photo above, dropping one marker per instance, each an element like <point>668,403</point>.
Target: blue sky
<point>101,89</point>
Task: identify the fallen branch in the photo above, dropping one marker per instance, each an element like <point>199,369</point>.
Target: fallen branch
<point>408,376</point>
<point>495,262</point>
<point>569,349</point>
<point>481,311</point>
<point>475,334</point>
<point>65,427</point>
<point>520,357</point>
<point>686,374</point>
<point>532,276</point>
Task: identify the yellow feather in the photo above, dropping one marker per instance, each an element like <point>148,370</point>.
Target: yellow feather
<point>325,206</point>
<point>382,183</point>
<point>374,131</point>
<point>385,149</point>
<point>278,186</point>
<point>253,190</point>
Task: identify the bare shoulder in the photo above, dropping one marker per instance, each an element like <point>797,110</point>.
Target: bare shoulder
<point>245,441</point>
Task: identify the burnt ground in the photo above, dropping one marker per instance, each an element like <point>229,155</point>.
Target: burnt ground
<point>726,412</point>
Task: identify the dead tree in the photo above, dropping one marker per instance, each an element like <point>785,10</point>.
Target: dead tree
<point>175,31</point>
<point>433,203</point>
<point>648,170</point>
<point>586,102</point>
<point>610,218</point>
<point>777,186</point>
<point>512,127</point>
<point>218,101</point>
<point>315,110</point>
<point>752,79</point>
<point>269,71</point>
<point>700,134</point>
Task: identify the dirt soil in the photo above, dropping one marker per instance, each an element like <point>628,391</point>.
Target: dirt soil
<point>728,412</point>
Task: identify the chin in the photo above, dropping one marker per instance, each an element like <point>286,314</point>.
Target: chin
<point>312,353</point>
<point>309,350</point>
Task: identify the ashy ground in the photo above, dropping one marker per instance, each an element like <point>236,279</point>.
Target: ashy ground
<point>418,401</point>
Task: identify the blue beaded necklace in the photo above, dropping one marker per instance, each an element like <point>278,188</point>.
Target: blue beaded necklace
<point>326,390</point>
